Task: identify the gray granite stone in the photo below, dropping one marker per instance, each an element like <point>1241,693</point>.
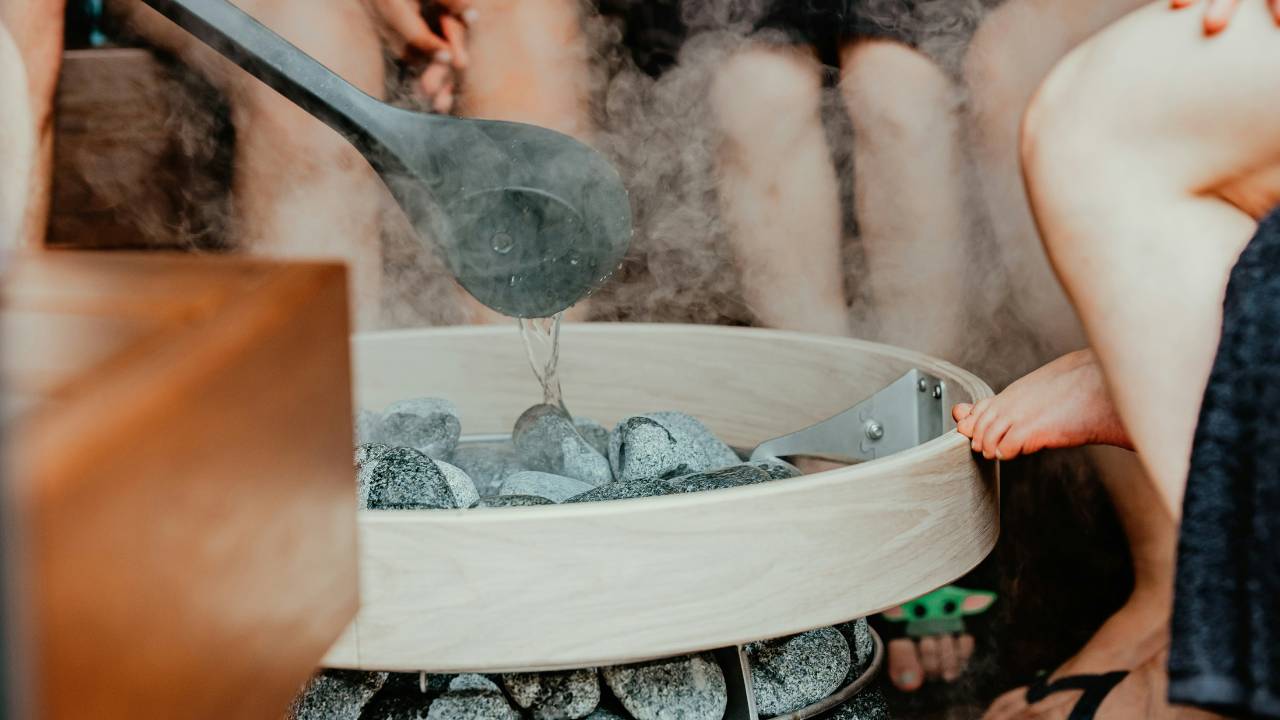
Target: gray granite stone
<point>429,425</point>
<point>366,424</point>
<point>336,695</point>
<point>793,672</point>
<point>546,440</point>
<point>858,634</point>
<point>472,697</point>
<point>405,696</point>
<point>623,491</point>
<point>594,433</point>
<point>665,445</point>
<point>556,488</point>
<point>866,705</point>
<point>735,476</point>
<point>554,695</point>
<point>365,456</point>
<point>489,464</point>
<point>464,491</point>
<point>690,429</point>
<point>404,479</point>
<point>510,501</point>
<point>778,469</point>
<point>683,688</point>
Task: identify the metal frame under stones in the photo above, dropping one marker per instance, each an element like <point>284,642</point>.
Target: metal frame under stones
<point>742,699</point>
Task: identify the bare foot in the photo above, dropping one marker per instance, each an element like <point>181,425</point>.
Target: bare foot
<point>940,657</point>
<point>1140,695</point>
<point>1128,639</point>
<point>1063,404</point>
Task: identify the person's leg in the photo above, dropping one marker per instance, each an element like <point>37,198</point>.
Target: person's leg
<point>911,204</point>
<point>1139,629</point>
<point>300,190</point>
<point>778,189</point>
<point>528,63</point>
<point>1010,54</point>
<point>1132,149</point>
<point>37,27</point>
<point>17,143</point>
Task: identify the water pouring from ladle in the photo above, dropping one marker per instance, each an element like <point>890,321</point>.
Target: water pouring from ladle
<point>528,220</point>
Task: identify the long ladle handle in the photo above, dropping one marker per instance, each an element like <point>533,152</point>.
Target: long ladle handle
<point>281,65</point>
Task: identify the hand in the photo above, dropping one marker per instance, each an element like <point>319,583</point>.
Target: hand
<point>1218,13</point>
<point>404,18</point>
<point>446,52</point>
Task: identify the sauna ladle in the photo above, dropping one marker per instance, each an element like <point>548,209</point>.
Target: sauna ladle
<point>528,220</point>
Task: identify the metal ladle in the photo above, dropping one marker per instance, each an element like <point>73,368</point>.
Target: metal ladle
<point>528,220</point>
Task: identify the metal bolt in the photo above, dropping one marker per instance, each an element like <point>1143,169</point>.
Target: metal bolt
<point>874,430</point>
<point>924,387</point>
<point>937,391</point>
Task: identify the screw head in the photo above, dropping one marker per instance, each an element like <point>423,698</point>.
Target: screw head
<point>874,430</point>
<point>924,387</point>
<point>937,391</point>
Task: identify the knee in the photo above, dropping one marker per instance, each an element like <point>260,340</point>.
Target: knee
<point>894,92</point>
<point>1007,58</point>
<point>767,96</point>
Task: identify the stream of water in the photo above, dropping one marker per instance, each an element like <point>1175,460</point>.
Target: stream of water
<point>542,342</point>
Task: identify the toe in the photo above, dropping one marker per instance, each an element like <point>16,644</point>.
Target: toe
<point>904,665</point>
<point>961,411</point>
<point>1012,444</point>
<point>989,418</point>
<point>948,658</point>
<point>964,649</point>
<point>1007,705</point>
<point>995,432</point>
<point>930,658</point>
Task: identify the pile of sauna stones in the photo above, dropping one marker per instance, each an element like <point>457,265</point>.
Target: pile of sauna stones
<point>409,457</point>
<point>788,674</point>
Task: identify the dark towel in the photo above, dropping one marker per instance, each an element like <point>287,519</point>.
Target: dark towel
<point>1226,619</point>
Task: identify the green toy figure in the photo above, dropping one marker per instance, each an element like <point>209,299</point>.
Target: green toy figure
<point>942,611</point>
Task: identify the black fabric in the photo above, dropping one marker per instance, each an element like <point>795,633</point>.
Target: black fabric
<point>1093,690</point>
<point>829,24</point>
<point>1225,653</point>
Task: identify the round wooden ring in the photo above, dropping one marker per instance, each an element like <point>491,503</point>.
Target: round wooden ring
<point>572,586</point>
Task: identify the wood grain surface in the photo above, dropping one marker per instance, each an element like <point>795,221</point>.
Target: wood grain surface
<point>180,481</point>
<point>604,583</point>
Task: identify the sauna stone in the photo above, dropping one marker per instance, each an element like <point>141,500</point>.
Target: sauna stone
<point>623,491</point>
<point>858,635</point>
<point>546,440</point>
<point>366,425</point>
<point>464,490</point>
<point>509,501</point>
<point>866,705</point>
<point>602,714</point>
<point>793,672</point>
<point>556,488</point>
<point>665,445</point>
<point>594,433</point>
<point>472,697</point>
<point>488,464</point>
<point>554,695</point>
<point>336,695</point>
<point>402,697</point>
<point>778,469</point>
<point>735,476</point>
<point>429,425</point>
<point>688,688</point>
<point>404,479</point>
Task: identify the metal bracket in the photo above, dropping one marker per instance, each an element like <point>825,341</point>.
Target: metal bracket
<point>910,411</point>
<point>737,678</point>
